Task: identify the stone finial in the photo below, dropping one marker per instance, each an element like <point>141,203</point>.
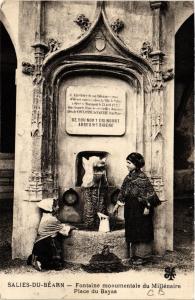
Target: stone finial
<point>117,26</point>
<point>146,50</point>
<point>83,22</point>
<point>53,45</point>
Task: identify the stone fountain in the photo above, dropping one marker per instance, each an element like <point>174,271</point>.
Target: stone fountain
<point>97,199</point>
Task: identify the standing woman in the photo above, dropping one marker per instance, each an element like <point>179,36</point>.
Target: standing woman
<point>139,198</point>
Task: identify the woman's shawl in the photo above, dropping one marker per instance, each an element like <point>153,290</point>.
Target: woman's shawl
<point>50,226</point>
<point>136,184</point>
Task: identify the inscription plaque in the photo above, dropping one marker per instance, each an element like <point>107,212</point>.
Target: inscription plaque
<point>95,110</point>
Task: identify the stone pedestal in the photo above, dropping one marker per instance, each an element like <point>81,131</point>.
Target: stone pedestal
<point>81,245</point>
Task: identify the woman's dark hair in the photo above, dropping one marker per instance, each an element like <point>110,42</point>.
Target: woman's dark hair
<point>137,159</point>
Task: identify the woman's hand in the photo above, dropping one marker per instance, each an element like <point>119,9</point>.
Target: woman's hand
<point>146,211</point>
<point>115,208</point>
<point>72,227</point>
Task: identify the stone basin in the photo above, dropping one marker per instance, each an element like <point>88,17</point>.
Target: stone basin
<point>81,245</point>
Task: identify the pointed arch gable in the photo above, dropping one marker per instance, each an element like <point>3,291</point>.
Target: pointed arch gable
<point>120,50</point>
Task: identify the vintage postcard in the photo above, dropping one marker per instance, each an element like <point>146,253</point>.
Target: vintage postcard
<point>96,150</point>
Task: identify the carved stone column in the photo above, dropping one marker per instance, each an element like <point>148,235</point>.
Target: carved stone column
<point>157,125</point>
<point>36,180</point>
<point>157,109</point>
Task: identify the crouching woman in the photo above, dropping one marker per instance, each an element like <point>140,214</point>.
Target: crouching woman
<point>47,249</point>
<point>139,200</point>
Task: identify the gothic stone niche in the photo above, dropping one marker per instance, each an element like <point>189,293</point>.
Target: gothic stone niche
<point>94,189</point>
<point>81,168</point>
<point>96,110</point>
<point>96,114</point>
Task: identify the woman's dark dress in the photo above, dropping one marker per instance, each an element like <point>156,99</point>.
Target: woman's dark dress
<point>137,193</point>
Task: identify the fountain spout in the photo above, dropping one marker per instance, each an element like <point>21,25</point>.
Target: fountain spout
<point>94,188</point>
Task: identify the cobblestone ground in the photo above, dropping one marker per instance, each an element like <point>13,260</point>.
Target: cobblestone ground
<point>182,257</point>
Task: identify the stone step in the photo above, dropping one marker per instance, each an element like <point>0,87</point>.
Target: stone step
<point>7,195</point>
<point>6,181</point>
<point>6,156</point>
<point>6,189</point>
<point>6,173</point>
<point>7,164</point>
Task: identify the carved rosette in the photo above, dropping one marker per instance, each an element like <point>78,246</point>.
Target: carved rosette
<point>117,26</point>
<point>83,22</point>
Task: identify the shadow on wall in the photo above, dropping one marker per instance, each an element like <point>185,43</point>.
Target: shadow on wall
<point>184,108</point>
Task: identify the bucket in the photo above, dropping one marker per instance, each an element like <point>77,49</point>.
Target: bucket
<point>104,223</point>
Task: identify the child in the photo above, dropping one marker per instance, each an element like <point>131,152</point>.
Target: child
<point>139,199</point>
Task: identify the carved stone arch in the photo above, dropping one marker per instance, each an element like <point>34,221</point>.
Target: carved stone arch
<point>93,62</point>
<point>120,50</point>
<point>74,66</point>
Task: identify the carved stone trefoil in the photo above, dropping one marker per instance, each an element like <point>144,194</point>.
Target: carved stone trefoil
<point>146,50</point>
<point>53,45</point>
<point>28,68</point>
<point>157,124</point>
<point>117,26</point>
<point>157,84</point>
<point>157,183</point>
<point>83,22</point>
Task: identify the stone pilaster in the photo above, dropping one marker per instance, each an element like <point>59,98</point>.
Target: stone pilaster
<point>36,180</point>
<point>157,108</point>
<point>157,125</point>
